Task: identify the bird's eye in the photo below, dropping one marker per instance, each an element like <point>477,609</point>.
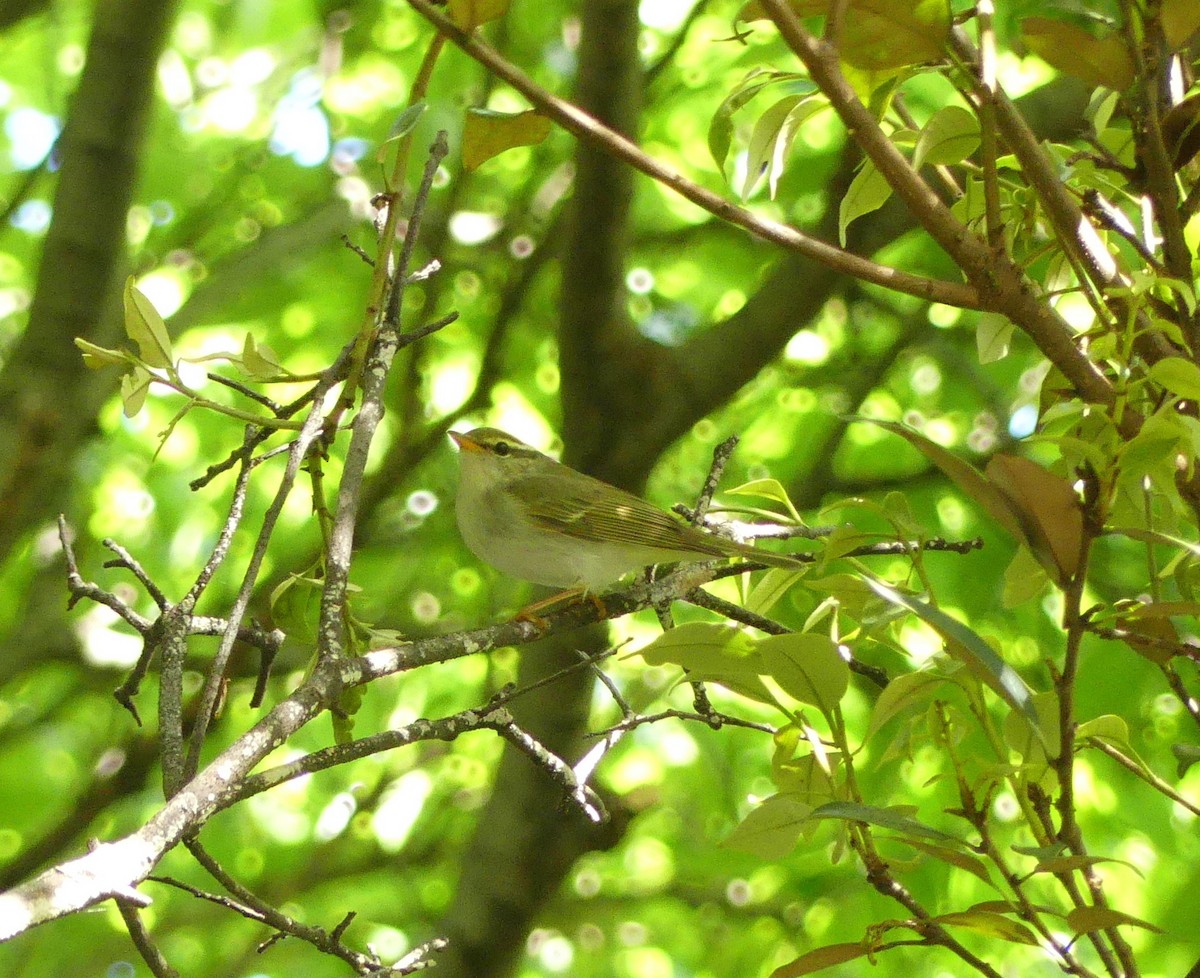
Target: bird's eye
<point>502,448</point>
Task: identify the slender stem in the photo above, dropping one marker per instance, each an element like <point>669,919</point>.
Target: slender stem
<point>585,126</point>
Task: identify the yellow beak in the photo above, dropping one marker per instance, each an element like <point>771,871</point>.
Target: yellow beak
<point>466,443</point>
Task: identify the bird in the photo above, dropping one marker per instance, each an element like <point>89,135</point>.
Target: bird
<point>539,520</point>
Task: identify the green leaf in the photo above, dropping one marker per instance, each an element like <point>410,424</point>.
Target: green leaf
<point>804,778</point>
<point>769,588</point>
<point>1180,20</point>
<point>885,818</point>
<point>720,130</point>
<point>1179,376</point>
<point>807,667</point>
<point>701,645</point>
<point>950,136</point>
<point>1024,578</point>
<point>260,361</point>
<point>146,328</point>
<point>761,149</point>
<point>903,693</point>
<point>771,830</point>
<point>487,134</point>
<point>1110,728</point>
<point>712,653</point>
<point>469,14</point>
<point>967,647</point>
<point>405,123</point>
<point>990,924</point>
<point>993,333</point>
<point>97,357</point>
<point>1084,920</point>
<point>767,489</point>
<point>868,191</point>
<point>1069,48</point>
<point>1035,743</point>
<point>1069,864</point>
<point>960,860</point>
<point>135,385</point>
<point>772,138</point>
<point>882,34</point>
<point>822,957</point>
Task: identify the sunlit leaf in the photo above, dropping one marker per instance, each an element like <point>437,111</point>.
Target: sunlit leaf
<point>469,14</point>
<point>772,829</point>
<point>868,191</point>
<point>1177,375</point>
<point>990,924</point>
<point>880,34</point>
<point>1084,920</point>
<point>884,818</point>
<point>146,328</point>
<point>134,387</point>
<point>1024,578</point>
<point>807,667</point>
<point>97,357</point>
<point>822,957</point>
<point>260,360</point>
<point>950,136</point>
<point>767,489</point>
<point>954,857</point>
<point>968,647</point>
<point>487,134</point>
<point>904,692</point>
<point>993,333</point>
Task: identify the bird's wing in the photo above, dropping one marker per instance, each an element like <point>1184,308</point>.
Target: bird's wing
<point>611,515</point>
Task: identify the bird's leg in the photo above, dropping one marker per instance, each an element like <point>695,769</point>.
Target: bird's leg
<point>570,596</point>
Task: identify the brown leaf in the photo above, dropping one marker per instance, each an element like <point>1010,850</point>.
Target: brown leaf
<point>1046,507</point>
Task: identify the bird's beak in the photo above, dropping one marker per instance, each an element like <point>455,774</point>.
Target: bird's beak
<point>465,442</point>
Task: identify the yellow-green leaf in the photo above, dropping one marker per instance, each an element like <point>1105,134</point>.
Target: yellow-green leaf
<point>904,692</point>
<point>260,361</point>
<point>134,387</point>
<point>807,667</point>
<point>1097,61</point>
<point>969,648</point>
<point>1084,920</point>
<point>950,136</point>
<point>990,924</point>
<point>487,134</point>
<point>1180,20</point>
<point>868,191</point>
<point>993,333</point>
<point>772,829</point>
<point>146,328</point>
<point>1179,376</point>
<point>822,957</point>
<point>469,14</point>
<point>880,34</point>
<point>95,357</point>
